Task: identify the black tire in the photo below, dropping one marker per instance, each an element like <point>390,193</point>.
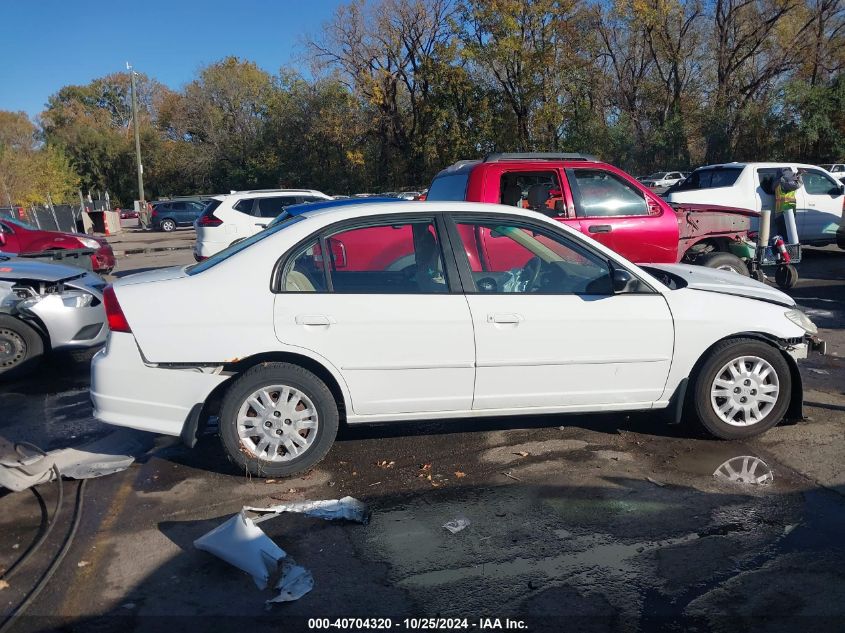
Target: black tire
<point>723,261</point>
<point>21,348</point>
<point>786,276</point>
<point>167,225</point>
<point>265,375</point>
<point>704,408</point>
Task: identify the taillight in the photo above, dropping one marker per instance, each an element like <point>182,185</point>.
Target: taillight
<point>153,213</point>
<point>209,219</point>
<point>114,313</point>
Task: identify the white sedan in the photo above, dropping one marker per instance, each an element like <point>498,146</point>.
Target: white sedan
<point>412,311</point>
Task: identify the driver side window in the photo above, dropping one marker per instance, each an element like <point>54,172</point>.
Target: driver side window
<point>507,258</point>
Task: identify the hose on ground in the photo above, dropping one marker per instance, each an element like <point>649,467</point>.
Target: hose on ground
<point>54,564</point>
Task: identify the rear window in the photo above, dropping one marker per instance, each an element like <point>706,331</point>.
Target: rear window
<point>237,247</point>
<point>244,206</point>
<point>449,187</point>
<point>211,206</point>
<point>711,178</point>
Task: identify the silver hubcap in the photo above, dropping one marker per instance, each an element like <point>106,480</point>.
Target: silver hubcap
<point>277,423</point>
<point>744,391</point>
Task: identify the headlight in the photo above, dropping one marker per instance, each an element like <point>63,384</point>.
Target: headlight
<point>802,320</point>
<point>76,299</point>
<point>89,243</point>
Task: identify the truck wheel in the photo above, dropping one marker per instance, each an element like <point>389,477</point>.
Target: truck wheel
<point>278,419</point>
<point>786,276</point>
<point>21,348</point>
<point>742,389</point>
<point>723,261</point>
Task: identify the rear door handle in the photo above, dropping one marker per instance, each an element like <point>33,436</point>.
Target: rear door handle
<point>501,317</point>
<point>314,319</point>
<point>599,228</point>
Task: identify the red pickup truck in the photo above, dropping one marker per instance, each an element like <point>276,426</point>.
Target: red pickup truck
<point>605,203</point>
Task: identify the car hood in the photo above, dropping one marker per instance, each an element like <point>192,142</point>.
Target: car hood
<point>16,268</point>
<point>725,282</point>
<point>160,274</point>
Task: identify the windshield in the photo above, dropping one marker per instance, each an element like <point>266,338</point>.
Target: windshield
<point>449,187</point>
<point>237,247</point>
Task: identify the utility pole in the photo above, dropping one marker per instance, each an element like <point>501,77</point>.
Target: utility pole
<point>137,134</point>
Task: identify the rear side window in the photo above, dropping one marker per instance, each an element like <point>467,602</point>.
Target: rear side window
<point>401,258</point>
<point>244,206</point>
<point>449,187</point>
<point>711,178</point>
<point>178,206</point>
<point>599,193</point>
<point>271,207</point>
<point>535,190</point>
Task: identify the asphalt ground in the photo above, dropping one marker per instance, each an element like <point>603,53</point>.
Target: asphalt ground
<point>576,523</point>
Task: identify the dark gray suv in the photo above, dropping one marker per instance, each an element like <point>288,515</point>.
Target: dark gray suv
<point>168,214</point>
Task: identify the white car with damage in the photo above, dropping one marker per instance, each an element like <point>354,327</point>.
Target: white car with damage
<point>412,311</point>
<point>46,307</point>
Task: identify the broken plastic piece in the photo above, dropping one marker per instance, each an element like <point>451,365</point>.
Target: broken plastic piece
<point>295,582</point>
<point>23,466</point>
<point>745,469</point>
<point>243,544</point>
<point>347,508</point>
<point>456,525</point>
<point>240,542</point>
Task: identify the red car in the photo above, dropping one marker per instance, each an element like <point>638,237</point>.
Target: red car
<point>605,203</point>
<point>18,237</point>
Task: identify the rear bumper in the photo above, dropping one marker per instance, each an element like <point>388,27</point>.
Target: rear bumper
<point>127,392</point>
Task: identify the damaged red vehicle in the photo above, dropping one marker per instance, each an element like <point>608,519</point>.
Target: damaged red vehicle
<point>18,237</point>
<point>607,204</point>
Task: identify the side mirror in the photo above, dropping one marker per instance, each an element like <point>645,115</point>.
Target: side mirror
<point>623,281</point>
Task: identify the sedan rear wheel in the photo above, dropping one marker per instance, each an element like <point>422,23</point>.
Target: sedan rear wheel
<point>742,389</point>
<point>278,419</point>
<point>167,225</point>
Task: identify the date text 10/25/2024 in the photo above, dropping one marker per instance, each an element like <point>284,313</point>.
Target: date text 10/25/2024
<point>418,624</point>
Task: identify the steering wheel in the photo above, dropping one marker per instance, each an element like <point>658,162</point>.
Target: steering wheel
<point>529,275</point>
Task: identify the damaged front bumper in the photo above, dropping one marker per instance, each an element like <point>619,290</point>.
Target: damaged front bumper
<point>810,344</point>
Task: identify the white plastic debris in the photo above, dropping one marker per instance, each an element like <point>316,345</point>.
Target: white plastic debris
<point>22,466</point>
<point>243,544</point>
<point>745,469</point>
<point>456,525</point>
<point>295,582</point>
<point>347,508</point>
<point>240,542</point>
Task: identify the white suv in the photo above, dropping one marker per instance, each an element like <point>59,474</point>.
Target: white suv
<point>819,201</point>
<point>230,218</point>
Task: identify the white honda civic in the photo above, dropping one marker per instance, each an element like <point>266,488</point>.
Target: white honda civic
<point>413,311</point>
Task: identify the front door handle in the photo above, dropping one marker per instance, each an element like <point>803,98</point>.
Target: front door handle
<point>314,319</point>
<point>501,317</point>
<point>600,228</point>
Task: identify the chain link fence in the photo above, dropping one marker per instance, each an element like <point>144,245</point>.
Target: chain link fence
<point>57,217</point>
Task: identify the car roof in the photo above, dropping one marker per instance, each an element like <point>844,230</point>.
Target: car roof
<point>758,165</point>
<point>303,207</point>
<point>397,206</point>
<point>264,193</point>
<point>521,158</point>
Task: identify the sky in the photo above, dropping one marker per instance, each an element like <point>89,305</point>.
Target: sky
<point>48,44</point>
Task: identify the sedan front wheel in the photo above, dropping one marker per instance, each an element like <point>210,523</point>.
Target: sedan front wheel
<point>278,419</point>
<point>742,389</point>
